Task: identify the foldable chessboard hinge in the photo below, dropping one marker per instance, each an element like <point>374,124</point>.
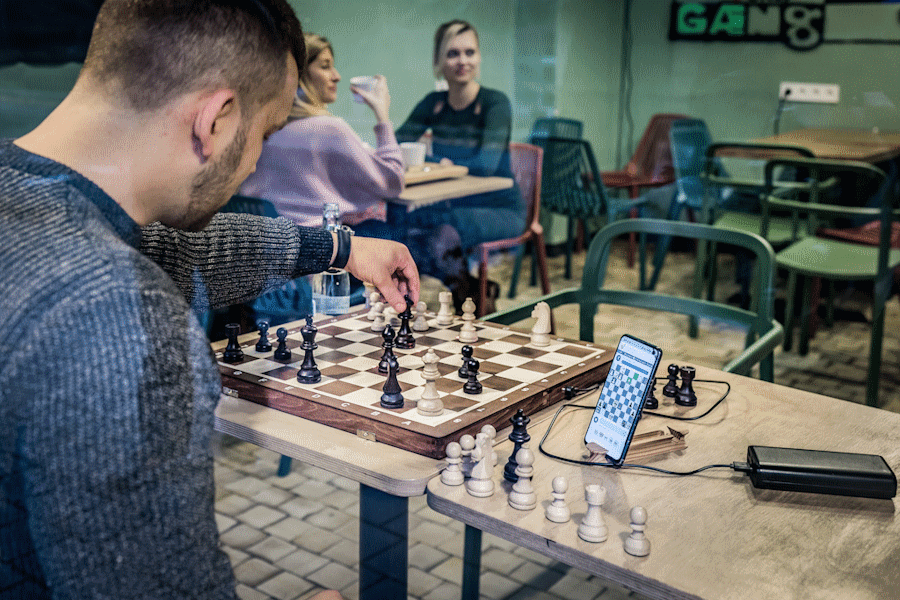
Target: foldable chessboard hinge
<point>366,435</point>
<point>230,392</point>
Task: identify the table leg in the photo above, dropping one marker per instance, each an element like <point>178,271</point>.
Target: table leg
<point>383,544</point>
<point>471,563</point>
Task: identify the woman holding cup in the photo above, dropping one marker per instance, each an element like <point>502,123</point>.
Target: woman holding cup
<point>317,158</point>
<point>470,126</point>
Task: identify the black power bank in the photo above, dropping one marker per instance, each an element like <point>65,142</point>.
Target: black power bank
<point>820,472</point>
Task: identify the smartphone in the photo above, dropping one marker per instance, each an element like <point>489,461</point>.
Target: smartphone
<point>631,374</point>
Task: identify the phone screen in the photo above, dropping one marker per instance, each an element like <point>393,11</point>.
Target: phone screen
<point>630,376</point>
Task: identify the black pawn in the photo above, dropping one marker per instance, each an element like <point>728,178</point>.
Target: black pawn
<point>518,436</point>
<point>473,386</point>
<point>651,402</point>
<point>263,344</point>
<point>388,344</point>
<point>672,386</point>
<point>282,352</point>
<point>686,395</point>
<point>392,398</point>
<point>405,337</point>
<point>233,352</point>
<point>467,352</point>
<point>309,371</point>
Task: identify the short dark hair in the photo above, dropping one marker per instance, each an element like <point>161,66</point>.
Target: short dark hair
<point>157,50</point>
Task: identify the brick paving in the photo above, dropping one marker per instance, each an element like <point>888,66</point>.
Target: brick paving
<point>290,537</point>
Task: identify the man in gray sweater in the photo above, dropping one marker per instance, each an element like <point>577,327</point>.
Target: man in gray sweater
<point>108,239</point>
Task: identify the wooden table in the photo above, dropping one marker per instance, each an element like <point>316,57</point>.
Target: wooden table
<point>713,535</point>
<point>388,477</point>
<point>845,144</point>
<point>432,192</point>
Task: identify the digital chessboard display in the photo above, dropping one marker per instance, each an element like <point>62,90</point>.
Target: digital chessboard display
<point>513,373</point>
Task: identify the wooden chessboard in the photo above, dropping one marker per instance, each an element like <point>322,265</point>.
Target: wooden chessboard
<point>514,374</point>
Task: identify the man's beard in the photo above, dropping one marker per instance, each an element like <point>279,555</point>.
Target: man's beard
<point>211,188</point>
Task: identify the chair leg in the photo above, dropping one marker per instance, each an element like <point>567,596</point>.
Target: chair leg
<point>532,279</point>
<point>569,242</point>
<point>662,246</point>
<point>829,304</point>
<point>632,214</point>
<point>700,269</point>
<point>880,297</point>
<point>790,295</point>
<point>284,466</point>
<point>482,285</point>
<point>805,316</point>
<point>642,259</point>
<point>514,278</point>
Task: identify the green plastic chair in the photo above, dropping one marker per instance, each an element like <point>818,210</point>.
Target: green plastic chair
<point>765,332</point>
<point>815,256</point>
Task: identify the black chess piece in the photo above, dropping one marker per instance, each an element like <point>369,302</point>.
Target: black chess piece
<point>405,337</point>
<point>233,352</point>
<point>672,386</point>
<point>282,352</point>
<point>651,401</point>
<point>518,436</point>
<point>263,344</point>
<point>466,352</point>
<point>472,386</point>
<point>686,395</point>
<point>309,371</point>
<point>392,398</point>
<point>388,344</point>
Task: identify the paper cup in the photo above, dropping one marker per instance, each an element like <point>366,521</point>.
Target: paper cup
<point>363,82</point>
<point>413,155</point>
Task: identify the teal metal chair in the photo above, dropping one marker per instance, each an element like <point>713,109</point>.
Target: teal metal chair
<point>815,256</point>
<point>557,127</point>
<point>571,185</point>
<point>765,333</point>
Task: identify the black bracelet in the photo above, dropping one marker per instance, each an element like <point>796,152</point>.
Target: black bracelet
<point>343,249</point>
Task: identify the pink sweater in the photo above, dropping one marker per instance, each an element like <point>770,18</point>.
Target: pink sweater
<point>321,159</point>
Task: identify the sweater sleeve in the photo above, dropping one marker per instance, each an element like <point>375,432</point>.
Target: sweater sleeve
<point>113,447</point>
<point>357,171</point>
<point>236,257</point>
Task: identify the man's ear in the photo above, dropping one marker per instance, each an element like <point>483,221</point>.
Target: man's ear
<point>215,114</point>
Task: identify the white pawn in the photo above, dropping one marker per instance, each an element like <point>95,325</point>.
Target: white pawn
<point>375,306</point>
<point>467,334</point>
<point>445,314</point>
<point>637,543</point>
<point>491,432</point>
<point>480,483</point>
<point>378,324</point>
<point>522,496</point>
<point>430,405</point>
<point>557,511</point>
<point>390,317</point>
<point>467,443</point>
<point>452,474</point>
<point>420,324</point>
<point>592,527</point>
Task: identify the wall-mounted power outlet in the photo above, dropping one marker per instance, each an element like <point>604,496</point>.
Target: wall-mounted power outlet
<point>793,91</point>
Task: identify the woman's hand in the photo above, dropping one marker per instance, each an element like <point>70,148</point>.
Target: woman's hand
<point>379,99</point>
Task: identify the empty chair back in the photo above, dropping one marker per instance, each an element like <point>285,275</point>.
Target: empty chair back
<point>557,127</point>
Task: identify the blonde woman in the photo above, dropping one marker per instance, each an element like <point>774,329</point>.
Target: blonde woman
<point>318,158</point>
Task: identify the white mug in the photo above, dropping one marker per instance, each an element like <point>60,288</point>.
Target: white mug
<point>363,82</point>
<point>413,155</point>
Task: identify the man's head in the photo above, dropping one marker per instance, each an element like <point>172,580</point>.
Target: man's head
<point>153,51</point>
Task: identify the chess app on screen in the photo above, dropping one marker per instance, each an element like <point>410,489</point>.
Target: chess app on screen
<point>632,373</point>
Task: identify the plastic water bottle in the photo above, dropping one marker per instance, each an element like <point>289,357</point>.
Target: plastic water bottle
<point>331,288</point>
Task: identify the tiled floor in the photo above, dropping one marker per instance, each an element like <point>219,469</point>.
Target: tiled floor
<point>290,537</point>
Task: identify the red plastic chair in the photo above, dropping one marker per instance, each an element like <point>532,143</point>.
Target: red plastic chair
<point>651,165</point>
<point>526,161</point>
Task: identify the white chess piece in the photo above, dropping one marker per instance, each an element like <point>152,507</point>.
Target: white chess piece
<point>522,496</point>
<point>592,527</point>
<point>452,474</point>
<point>430,405</point>
<point>491,432</point>
<point>445,314</point>
<point>390,317</point>
<point>467,334</point>
<point>481,482</point>
<point>420,324</point>
<point>467,443</point>
<point>557,511</point>
<point>375,306</point>
<point>637,543</point>
<point>540,332</point>
<point>378,324</point>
